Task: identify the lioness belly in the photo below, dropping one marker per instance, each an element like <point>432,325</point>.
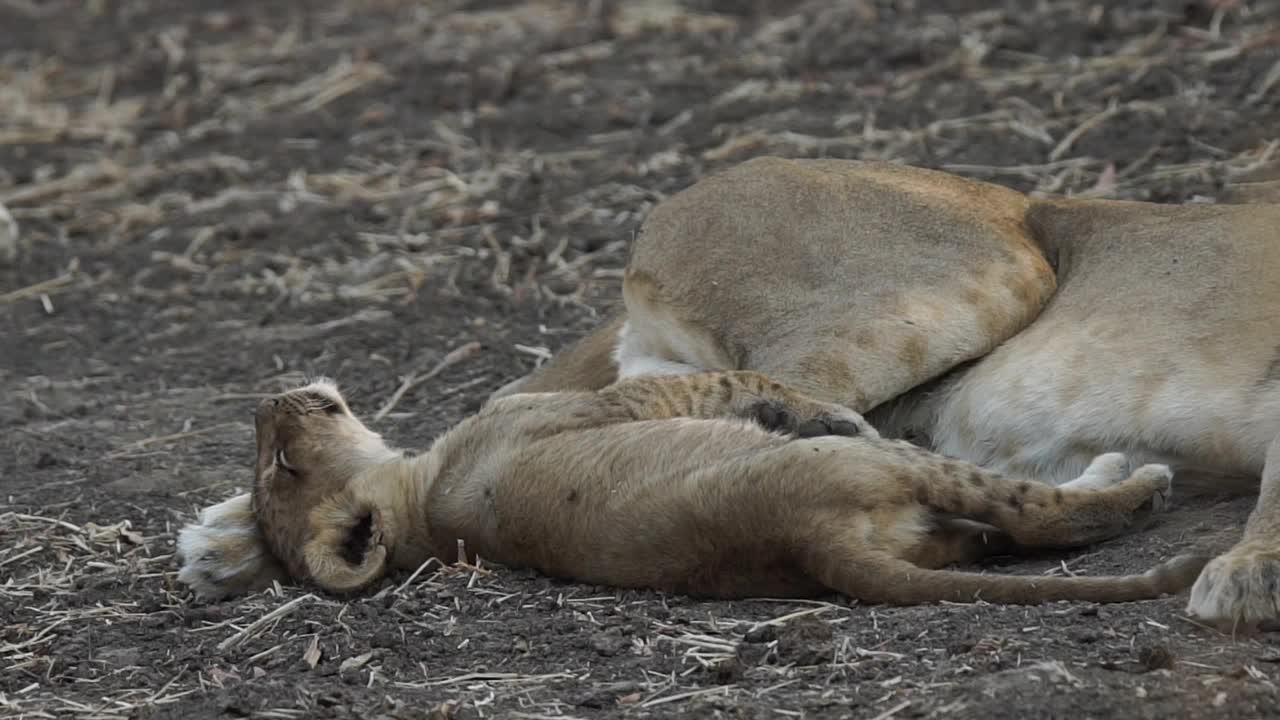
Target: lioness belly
<point>1046,409</point>
<point>1163,341</point>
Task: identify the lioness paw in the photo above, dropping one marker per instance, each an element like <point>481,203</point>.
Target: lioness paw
<point>223,553</point>
<point>1240,591</point>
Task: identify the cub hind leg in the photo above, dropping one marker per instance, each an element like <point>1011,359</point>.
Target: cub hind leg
<point>961,540</point>
<point>1030,514</point>
<point>881,577</point>
<point>1104,503</point>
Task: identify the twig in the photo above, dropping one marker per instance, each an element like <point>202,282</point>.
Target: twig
<point>41,518</point>
<point>19,556</point>
<point>415,575</point>
<point>1084,127</point>
<point>258,624</point>
<point>40,288</point>
<point>513,678</point>
<point>1268,81</point>
<point>455,356</point>
<point>686,695</point>
<point>783,619</point>
<point>893,710</point>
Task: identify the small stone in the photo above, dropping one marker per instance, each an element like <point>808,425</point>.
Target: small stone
<point>607,645</point>
<point>728,671</point>
<point>256,225</point>
<point>1155,657</point>
<point>805,641</point>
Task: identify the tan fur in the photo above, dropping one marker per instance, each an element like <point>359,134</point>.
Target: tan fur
<point>717,485</point>
<point>587,365</point>
<point>1025,335</point>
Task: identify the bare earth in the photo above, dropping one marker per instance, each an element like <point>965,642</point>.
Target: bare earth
<point>217,199</point>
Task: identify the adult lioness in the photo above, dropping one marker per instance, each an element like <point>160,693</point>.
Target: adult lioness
<point>1021,334</point>
<point>720,485</point>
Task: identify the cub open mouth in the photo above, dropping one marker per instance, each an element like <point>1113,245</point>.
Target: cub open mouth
<point>356,545</point>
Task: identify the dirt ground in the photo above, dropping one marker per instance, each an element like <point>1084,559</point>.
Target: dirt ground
<point>217,199</point>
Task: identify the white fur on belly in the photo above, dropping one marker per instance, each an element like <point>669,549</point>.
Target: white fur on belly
<point>634,358</point>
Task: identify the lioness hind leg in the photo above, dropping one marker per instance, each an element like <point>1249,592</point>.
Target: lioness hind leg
<point>1240,590</point>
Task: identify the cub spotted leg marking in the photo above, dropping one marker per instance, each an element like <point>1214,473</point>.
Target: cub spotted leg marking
<point>1031,514</point>
<point>736,394</point>
<point>960,540</point>
<point>1240,590</point>
<point>1038,515</point>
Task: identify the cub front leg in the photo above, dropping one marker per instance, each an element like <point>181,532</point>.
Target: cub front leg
<point>742,394</point>
<point>223,553</point>
<point>1240,590</point>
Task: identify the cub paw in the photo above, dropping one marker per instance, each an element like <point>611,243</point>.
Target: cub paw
<point>1106,470</point>
<point>223,553</point>
<point>1177,574</point>
<point>828,425</point>
<point>1132,503</point>
<point>776,417</point>
<point>1158,491</point>
<point>1239,592</point>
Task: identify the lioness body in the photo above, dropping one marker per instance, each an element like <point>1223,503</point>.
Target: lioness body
<point>674,484</point>
<point>1024,335</point>
<point>1059,328</point>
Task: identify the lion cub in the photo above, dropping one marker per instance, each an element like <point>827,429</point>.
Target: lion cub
<point>718,485</point>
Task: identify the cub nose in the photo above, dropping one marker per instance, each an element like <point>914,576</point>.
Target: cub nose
<point>265,409</point>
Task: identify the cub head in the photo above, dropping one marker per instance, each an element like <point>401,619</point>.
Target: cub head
<point>311,513</point>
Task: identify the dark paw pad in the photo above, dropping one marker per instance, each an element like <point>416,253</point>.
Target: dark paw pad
<point>819,427</point>
<point>774,417</point>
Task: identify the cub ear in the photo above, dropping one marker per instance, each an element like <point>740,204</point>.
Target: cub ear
<point>346,550</point>
<point>223,553</point>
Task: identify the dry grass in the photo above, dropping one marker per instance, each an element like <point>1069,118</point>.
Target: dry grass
<point>49,560</point>
<point>129,183</point>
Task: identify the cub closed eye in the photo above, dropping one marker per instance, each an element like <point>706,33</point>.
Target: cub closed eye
<point>283,461</point>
